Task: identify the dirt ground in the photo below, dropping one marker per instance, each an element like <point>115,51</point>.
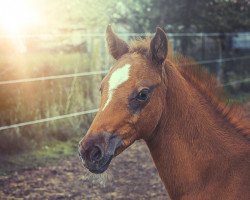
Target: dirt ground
<point>131,175</point>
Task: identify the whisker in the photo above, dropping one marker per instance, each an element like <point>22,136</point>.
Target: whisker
<point>97,179</point>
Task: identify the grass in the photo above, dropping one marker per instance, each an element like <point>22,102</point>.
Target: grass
<point>50,153</point>
<point>38,100</point>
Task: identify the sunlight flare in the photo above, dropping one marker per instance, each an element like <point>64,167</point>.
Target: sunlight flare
<point>17,15</point>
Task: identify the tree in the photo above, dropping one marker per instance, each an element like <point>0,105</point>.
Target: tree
<point>185,15</point>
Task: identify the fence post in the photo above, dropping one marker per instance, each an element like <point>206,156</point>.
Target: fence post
<point>219,63</point>
<point>203,46</point>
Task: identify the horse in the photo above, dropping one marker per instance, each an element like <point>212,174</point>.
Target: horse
<point>199,143</point>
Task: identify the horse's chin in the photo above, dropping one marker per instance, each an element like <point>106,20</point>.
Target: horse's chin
<point>101,168</point>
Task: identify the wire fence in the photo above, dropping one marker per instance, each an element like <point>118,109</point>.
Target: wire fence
<point>82,34</point>
<point>53,77</point>
<point>236,82</point>
<point>102,72</point>
<point>82,74</point>
<point>91,74</point>
<point>48,119</point>
<point>92,111</point>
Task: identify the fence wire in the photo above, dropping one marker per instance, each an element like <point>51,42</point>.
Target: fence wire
<point>53,77</point>
<point>122,34</point>
<point>48,119</point>
<point>82,74</point>
<point>236,82</point>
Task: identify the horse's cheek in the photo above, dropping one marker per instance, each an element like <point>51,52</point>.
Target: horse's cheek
<point>149,119</point>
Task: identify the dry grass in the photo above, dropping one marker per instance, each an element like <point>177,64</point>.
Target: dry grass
<point>37,100</point>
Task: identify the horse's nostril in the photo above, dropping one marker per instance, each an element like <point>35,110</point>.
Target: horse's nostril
<point>95,154</point>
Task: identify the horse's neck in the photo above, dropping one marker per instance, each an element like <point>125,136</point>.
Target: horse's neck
<point>193,146</point>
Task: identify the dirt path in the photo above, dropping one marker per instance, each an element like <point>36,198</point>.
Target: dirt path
<point>133,177</point>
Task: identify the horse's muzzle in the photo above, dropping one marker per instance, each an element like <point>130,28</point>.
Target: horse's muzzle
<point>97,151</point>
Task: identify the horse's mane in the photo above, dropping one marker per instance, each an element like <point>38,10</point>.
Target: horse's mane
<point>205,82</point>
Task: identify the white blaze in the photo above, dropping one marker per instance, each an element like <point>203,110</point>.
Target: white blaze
<point>118,77</point>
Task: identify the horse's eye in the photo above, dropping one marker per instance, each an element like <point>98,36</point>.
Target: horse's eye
<point>143,95</point>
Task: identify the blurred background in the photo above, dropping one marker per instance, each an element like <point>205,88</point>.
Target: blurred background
<point>53,57</point>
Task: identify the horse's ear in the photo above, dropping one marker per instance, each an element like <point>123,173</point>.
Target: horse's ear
<point>159,47</point>
<point>117,47</point>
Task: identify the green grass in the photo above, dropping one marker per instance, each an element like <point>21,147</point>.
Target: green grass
<point>50,153</point>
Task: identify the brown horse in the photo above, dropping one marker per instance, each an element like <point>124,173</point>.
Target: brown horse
<point>199,144</point>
